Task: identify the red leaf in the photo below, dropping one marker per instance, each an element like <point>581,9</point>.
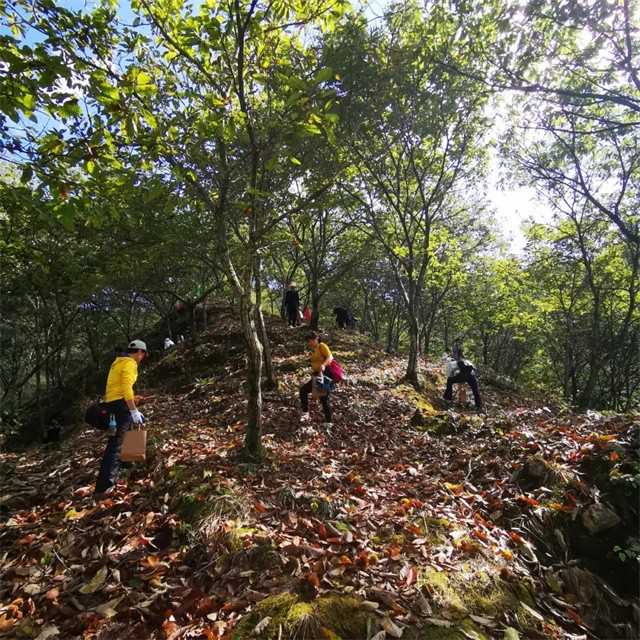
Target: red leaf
<point>574,616</point>
<point>517,538</point>
<point>313,579</point>
<point>527,500</point>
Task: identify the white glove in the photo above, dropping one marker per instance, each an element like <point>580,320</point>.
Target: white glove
<point>136,416</point>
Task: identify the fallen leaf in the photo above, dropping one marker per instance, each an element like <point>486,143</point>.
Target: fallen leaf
<point>52,594</point>
<point>169,627</point>
<point>516,537</point>
<point>506,554</point>
<point>409,575</point>
<point>261,626</point>
<point>48,632</point>
<point>574,615</point>
<point>72,514</point>
<point>456,489</point>
<point>96,583</point>
<point>511,634</point>
<point>392,629</point>
<point>108,609</point>
<point>6,623</point>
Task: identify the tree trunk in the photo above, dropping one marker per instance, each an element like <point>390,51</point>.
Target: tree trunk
<point>315,308</point>
<point>253,345</point>
<point>391,329</point>
<point>262,331</point>
<point>414,337</point>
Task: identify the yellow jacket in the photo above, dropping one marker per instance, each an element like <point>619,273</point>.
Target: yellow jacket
<point>319,356</point>
<point>122,376</point>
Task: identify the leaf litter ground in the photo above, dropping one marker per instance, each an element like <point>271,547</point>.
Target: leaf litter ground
<point>460,526</point>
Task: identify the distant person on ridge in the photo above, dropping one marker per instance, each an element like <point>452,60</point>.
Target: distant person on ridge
<point>321,357</point>
<point>292,305</point>
<point>342,317</point>
<point>119,400</point>
<point>459,371</point>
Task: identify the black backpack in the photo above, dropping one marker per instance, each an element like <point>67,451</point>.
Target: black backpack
<point>97,416</point>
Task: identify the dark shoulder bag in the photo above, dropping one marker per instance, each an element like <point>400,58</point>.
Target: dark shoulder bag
<point>97,416</point>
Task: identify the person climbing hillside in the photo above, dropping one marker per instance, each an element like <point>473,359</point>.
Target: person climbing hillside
<point>460,371</point>
<point>343,317</point>
<point>120,401</point>
<point>291,305</point>
<point>321,358</point>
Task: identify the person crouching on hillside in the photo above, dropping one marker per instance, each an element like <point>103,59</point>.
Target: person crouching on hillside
<point>321,357</point>
<point>119,401</point>
<point>459,371</point>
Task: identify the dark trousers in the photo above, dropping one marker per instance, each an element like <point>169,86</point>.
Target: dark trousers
<point>110,465</point>
<point>293,316</point>
<point>306,389</point>
<point>464,376</point>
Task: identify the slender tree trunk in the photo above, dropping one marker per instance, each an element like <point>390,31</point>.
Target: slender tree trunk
<point>414,337</point>
<point>315,307</point>
<point>262,330</point>
<point>391,329</point>
<point>254,377</point>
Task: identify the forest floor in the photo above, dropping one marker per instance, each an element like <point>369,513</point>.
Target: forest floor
<point>448,524</point>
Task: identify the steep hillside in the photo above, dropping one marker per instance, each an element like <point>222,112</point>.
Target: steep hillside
<point>394,523</point>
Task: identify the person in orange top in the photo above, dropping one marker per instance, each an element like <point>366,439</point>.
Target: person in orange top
<point>321,357</point>
<point>120,402</point>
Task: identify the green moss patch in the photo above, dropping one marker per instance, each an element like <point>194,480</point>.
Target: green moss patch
<point>290,618</point>
<point>475,589</point>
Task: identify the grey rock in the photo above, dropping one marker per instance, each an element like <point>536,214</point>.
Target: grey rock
<point>598,517</point>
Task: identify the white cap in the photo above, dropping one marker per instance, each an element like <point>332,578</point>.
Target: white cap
<point>138,344</point>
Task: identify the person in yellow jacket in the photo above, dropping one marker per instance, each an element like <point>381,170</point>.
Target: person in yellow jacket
<point>321,357</point>
<point>120,402</point>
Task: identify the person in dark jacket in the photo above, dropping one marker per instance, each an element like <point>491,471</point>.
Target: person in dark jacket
<point>291,305</point>
<point>459,371</point>
<point>342,317</point>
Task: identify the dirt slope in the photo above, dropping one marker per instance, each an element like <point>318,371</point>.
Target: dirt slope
<point>442,525</point>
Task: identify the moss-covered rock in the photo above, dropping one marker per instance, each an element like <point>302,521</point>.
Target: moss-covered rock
<point>460,630</point>
<point>286,617</point>
<point>477,589</point>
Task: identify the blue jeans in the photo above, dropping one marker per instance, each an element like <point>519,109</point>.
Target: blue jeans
<point>110,465</point>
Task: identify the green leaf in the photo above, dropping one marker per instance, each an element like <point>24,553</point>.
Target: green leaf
<point>294,160</point>
<point>323,75</point>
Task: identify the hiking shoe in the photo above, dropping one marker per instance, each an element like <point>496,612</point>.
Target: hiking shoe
<point>101,495</point>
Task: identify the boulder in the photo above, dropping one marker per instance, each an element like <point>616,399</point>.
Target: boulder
<point>599,517</point>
